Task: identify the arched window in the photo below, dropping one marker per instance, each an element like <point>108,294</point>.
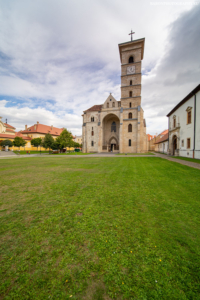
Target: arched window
<point>129,143</point>
<point>92,132</point>
<point>92,119</point>
<point>130,94</point>
<point>130,104</point>
<point>131,60</point>
<point>92,143</point>
<point>113,104</point>
<point>130,115</point>
<point>108,105</point>
<point>113,127</point>
<point>129,128</point>
<point>131,82</point>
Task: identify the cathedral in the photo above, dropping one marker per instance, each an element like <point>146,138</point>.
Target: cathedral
<point>119,126</point>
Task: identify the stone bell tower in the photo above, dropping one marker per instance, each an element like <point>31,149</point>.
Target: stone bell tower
<point>132,124</point>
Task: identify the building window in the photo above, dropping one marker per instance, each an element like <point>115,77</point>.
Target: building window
<point>130,115</point>
<point>130,82</point>
<point>108,105</point>
<point>182,143</point>
<point>174,122</point>
<point>130,128</point>
<point>119,104</point>
<point>113,104</point>
<point>189,117</point>
<point>92,143</point>
<point>130,104</point>
<point>131,60</point>
<point>129,143</point>
<point>113,127</point>
<point>92,119</point>
<point>130,94</point>
<point>188,143</point>
<point>92,132</point>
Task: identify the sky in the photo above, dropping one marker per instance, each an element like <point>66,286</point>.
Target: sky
<point>60,57</point>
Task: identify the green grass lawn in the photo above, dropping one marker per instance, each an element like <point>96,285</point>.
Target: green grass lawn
<point>188,159</point>
<point>99,228</point>
<point>72,153</point>
<point>31,152</point>
<point>146,153</point>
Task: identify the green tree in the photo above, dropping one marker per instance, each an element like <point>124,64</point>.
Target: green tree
<point>7,143</point>
<point>19,142</point>
<point>55,145</point>
<point>64,139</point>
<point>36,142</point>
<point>48,141</point>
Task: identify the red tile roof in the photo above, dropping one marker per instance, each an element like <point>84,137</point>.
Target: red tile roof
<point>163,139</point>
<point>11,130</point>
<point>40,128</point>
<point>12,136</point>
<point>22,136</point>
<point>164,132</point>
<point>7,125</point>
<point>95,108</point>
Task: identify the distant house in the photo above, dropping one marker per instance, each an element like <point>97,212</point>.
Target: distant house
<point>78,139</point>
<point>153,139</point>
<point>39,131</point>
<point>162,144</point>
<point>184,126</point>
<point>7,132</point>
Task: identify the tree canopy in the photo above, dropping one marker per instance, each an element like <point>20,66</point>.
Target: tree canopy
<point>48,141</point>
<point>7,143</point>
<point>36,142</point>
<point>65,139</point>
<point>19,142</point>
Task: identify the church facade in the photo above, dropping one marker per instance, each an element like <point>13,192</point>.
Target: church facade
<point>119,126</point>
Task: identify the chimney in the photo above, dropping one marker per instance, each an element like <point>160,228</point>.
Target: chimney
<point>35,127</point>
<point>51,127</point>
<point>37,122</point>
<point>25,127</point>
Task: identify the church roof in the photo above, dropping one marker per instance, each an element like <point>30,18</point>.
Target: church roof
<point>163,139</point>
<point>40,128</point>
<point>95,108</point>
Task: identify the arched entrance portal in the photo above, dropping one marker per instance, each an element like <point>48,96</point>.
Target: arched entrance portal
<point>174,144</point>
<point>110,142</point>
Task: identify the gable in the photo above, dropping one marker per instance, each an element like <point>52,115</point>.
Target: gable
<point>109,102</point>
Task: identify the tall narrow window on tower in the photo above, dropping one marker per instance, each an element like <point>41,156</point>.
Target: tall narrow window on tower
<point>130,128</point>
<point>131,60</point>
<point>130,82</point>
<point>113,127</point>
<point>130,104</point>
<point>130,94</point>
<point>130,115</point>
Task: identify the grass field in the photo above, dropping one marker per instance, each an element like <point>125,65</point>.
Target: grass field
<point>31,152</point>
<point>99,228</point>
<point>188,159</point>
<point>146,153</point>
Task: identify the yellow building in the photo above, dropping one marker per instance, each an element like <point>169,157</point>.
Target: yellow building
<point>7,132</point>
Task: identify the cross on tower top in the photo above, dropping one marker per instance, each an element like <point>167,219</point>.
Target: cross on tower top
<point>131,34</point>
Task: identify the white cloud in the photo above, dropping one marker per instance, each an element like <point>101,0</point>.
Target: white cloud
<point>58,58</point>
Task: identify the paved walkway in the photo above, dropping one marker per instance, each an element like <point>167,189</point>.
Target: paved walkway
<point>180,161</point>
<point>7,153</point>
<point>170,158</point>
